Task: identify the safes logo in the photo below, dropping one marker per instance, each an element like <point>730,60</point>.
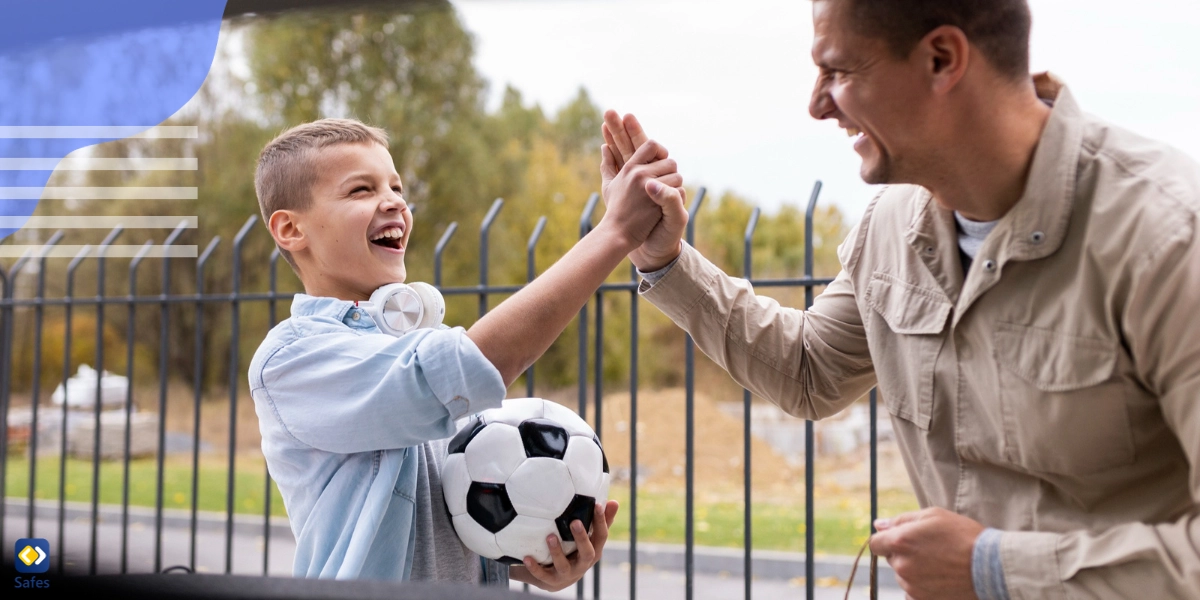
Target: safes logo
<point>33,555</point>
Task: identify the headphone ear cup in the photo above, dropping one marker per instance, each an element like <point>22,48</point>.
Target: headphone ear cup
<point>434,303</point>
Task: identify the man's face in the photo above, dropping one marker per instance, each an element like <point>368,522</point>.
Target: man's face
<point>876,97</point>
<point>358,224</point>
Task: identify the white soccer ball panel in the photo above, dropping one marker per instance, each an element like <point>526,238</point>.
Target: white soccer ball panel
<point>568,547</point>
<point>586,463</point>
<point>455,481</point>
<point>495,453</point>
<point>515,411</point>
<point>478,539</point>
<point>602,496</point>
<point>526,536</point>
<point>570,421</point>
<point>541,487</point>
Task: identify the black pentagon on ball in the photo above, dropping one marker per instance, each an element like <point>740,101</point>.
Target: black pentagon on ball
<point>581,508</point>
<point>489,505</point>
<point>603,456</point>
<point>458,443</point>
<point>544,438</point>
<point>508,560</point>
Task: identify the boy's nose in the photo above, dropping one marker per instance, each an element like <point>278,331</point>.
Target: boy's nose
<point>393,201</point>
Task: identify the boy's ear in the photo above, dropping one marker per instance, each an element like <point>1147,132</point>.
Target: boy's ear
<point>285,228</point>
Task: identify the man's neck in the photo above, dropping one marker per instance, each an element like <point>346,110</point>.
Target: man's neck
<point>984,170</point>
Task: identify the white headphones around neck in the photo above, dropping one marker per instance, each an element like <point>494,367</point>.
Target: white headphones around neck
<point>398,308</point>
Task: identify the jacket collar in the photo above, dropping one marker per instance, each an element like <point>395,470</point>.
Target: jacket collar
<point>304,305</point>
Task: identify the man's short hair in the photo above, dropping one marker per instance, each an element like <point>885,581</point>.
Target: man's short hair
<point>999,28</point>
<point>285,175</point>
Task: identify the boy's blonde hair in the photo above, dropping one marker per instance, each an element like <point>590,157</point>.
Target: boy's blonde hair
<point>286,172</point>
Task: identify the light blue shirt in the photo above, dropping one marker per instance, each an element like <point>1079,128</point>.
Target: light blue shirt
<point>340,406</point>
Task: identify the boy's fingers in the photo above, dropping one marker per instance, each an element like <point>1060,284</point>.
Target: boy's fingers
<point>636,135</point>
<point>562,566</point>
<point>600,523</point>
<point>608,163</point>
<point>538,571</point>
<point>583,543</point>
<point>610,512</point>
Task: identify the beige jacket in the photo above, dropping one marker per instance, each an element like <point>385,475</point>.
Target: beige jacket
<point>1054,394</point>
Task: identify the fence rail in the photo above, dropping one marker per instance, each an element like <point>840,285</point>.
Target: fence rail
<point>235,299</point>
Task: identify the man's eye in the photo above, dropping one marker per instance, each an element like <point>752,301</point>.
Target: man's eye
<point>397,189</point>
<point>361,188</point>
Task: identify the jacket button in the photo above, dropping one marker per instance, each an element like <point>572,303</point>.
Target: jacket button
<point>355,315</point>
<point>1037,237</point>
<point>989,265</point>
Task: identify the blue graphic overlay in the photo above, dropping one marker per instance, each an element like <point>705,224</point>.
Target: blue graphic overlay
<point>32,555</point>
<point>80,72</point>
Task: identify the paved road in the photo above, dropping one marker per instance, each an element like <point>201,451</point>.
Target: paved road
<point>248,560</point>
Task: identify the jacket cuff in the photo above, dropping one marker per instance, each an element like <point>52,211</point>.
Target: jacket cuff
<point>461,377</point>
<point>687,280</point>
<point>1030,560</point>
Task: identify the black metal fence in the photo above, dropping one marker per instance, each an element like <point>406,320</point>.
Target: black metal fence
<point>236,298</point>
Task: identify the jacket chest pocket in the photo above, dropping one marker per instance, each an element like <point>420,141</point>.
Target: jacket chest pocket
<point>1063,408</point>
<point>905,356</point>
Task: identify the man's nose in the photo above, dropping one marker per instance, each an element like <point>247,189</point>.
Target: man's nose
<point>821,105</point>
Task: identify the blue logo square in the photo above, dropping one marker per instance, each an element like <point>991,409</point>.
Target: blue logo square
<point>32,555</point>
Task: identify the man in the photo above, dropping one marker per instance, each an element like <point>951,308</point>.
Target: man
<point>1024,294</point>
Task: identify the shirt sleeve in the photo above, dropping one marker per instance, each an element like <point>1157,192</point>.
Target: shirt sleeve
<point>1137,560</point>
<point>652,277</point>
<point>344,392</point>
<point>812,363</point>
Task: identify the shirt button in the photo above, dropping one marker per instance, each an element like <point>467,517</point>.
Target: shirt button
<point>355,315</point>
<point>1037,237</point>
<point>989,265</point>
<point>929,250</point>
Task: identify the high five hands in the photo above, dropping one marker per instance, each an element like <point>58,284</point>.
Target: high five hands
<point>630,158</point>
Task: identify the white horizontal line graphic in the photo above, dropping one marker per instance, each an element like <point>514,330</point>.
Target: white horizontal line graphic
<point>120,251</point>
<point>98,164</point>
<point>97,222</point>
<point>97,132</point>
<point>98,193</point>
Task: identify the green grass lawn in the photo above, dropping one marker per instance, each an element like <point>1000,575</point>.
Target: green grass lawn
<point>842,522</point>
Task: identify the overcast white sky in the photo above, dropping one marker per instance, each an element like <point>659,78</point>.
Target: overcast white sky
<point>725,85</point>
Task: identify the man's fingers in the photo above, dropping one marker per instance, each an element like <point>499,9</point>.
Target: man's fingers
<point>671,179</point>
<point>882,544</point>
<point>616,128</point>
<point>663,195</point>
<point>636,135</point>
<point>609,167</point>
<point>901,519</point>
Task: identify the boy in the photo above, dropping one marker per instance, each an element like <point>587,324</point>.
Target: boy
<point>354,421</point>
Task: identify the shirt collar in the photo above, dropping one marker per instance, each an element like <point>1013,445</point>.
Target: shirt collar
<point>304,305</point>
<point>1037,224</point>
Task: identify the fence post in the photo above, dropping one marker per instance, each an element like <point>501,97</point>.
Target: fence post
<point>6,335</point>
<point>163,351</point>
<point>747,537</point>
<point>274,280</point>
<point>197,380</point>
<point>585,226</point>
<point>62,464</point>
<point>690,428</point>
<point>484,230</point>
<point>437,253</point>
<point>530,275</point>
<point>100,260</point>
<point>129,329</point>
<point>809,520</point>
<point>234,370</point>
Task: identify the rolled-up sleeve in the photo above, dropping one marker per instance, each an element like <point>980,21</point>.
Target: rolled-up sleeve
<point>345,392</point>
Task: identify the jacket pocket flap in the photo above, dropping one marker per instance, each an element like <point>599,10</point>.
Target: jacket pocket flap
<point>1054,361</point>
<point>908,309</point>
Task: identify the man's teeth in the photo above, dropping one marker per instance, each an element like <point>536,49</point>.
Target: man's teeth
<point>853,131</point>
<point>391,232</point>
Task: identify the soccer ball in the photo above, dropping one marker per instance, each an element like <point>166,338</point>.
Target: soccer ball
<point>519,473</point>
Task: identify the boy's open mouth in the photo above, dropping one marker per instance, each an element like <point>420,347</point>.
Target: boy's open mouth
<point>390,237</point>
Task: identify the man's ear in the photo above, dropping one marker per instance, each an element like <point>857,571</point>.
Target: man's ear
<point>946,54</point>
<point>285,228</point>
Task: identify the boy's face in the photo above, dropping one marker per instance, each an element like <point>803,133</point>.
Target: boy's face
<point>358,224</point>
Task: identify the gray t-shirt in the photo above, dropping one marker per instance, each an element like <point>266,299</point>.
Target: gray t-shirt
<point>439,555</point>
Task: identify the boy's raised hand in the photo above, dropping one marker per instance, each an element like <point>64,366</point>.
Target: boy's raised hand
<point>567,570</point>
<point>623,139</point>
